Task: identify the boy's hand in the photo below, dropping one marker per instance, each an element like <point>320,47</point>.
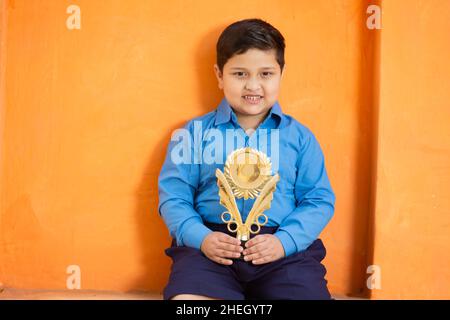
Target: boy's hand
<point>263,248</point>
<point>219,246</point>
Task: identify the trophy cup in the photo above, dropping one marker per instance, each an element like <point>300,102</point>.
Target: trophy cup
<point>247,174</point>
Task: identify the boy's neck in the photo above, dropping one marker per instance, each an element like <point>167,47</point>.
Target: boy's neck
<point>251,121</point>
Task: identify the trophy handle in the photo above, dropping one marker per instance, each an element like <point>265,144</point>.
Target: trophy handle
<point>229,221</point>
<point>227,200</point>
<point>258,224</point>
<point>261,204</point>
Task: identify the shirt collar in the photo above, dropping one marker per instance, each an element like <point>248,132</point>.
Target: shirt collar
<point>225,113</point>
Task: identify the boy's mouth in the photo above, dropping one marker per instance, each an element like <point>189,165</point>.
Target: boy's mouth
<point>252,99</point>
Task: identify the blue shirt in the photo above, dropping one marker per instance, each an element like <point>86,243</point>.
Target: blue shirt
<point>303,201</point>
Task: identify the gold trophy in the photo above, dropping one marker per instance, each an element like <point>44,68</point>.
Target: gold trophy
<point>247,174</point>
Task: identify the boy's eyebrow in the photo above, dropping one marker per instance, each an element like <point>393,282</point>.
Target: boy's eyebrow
<point>242,68</point>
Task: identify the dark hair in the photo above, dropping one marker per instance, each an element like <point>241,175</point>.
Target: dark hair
<point>242,35</point>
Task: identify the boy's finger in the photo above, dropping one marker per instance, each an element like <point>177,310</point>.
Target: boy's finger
<point>259,247</point>
<point>255,240</point>
<point>227,254</point>
<point>258,255</point>
<point>229,239</point>
<point>230,247</point>
<point>263,260</point>
<point>221,260</point>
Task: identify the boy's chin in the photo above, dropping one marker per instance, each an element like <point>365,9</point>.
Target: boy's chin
<point>254,108</point>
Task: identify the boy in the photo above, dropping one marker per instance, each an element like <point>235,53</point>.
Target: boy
<point>283,261</point>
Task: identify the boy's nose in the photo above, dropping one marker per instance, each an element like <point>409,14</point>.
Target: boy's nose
<point>252,85</point>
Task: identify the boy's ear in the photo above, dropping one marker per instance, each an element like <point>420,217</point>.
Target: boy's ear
<point>219,76</point>
<point>283,71</point>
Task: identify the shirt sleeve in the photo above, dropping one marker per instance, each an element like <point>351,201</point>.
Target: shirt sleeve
<point>177,184</point>
<point>315,200</point>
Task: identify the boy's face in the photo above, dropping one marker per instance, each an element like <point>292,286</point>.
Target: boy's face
<point>251,81</point>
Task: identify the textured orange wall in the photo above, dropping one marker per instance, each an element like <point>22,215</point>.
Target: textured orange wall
<point>88,114</point>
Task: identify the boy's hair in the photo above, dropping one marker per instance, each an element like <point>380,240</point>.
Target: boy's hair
<point>242,35</point>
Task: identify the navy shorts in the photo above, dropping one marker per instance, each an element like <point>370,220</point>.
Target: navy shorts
<point>299,276</point>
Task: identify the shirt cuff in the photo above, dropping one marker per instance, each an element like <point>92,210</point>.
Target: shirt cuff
<point>195,234</point>
<point>288,243</point>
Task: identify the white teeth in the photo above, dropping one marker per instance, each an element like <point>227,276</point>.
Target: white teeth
<point>252,97</point>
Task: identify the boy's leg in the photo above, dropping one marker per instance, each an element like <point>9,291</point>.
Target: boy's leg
<point>196,276</point>
<point>300,276</point>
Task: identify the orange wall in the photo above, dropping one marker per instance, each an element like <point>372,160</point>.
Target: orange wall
<point>412,215</point>
<point>87,115</point>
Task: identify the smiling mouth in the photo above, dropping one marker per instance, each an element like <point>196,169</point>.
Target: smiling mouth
<point>253,99</point>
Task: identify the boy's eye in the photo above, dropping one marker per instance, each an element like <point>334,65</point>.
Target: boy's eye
<point>239,74</point>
